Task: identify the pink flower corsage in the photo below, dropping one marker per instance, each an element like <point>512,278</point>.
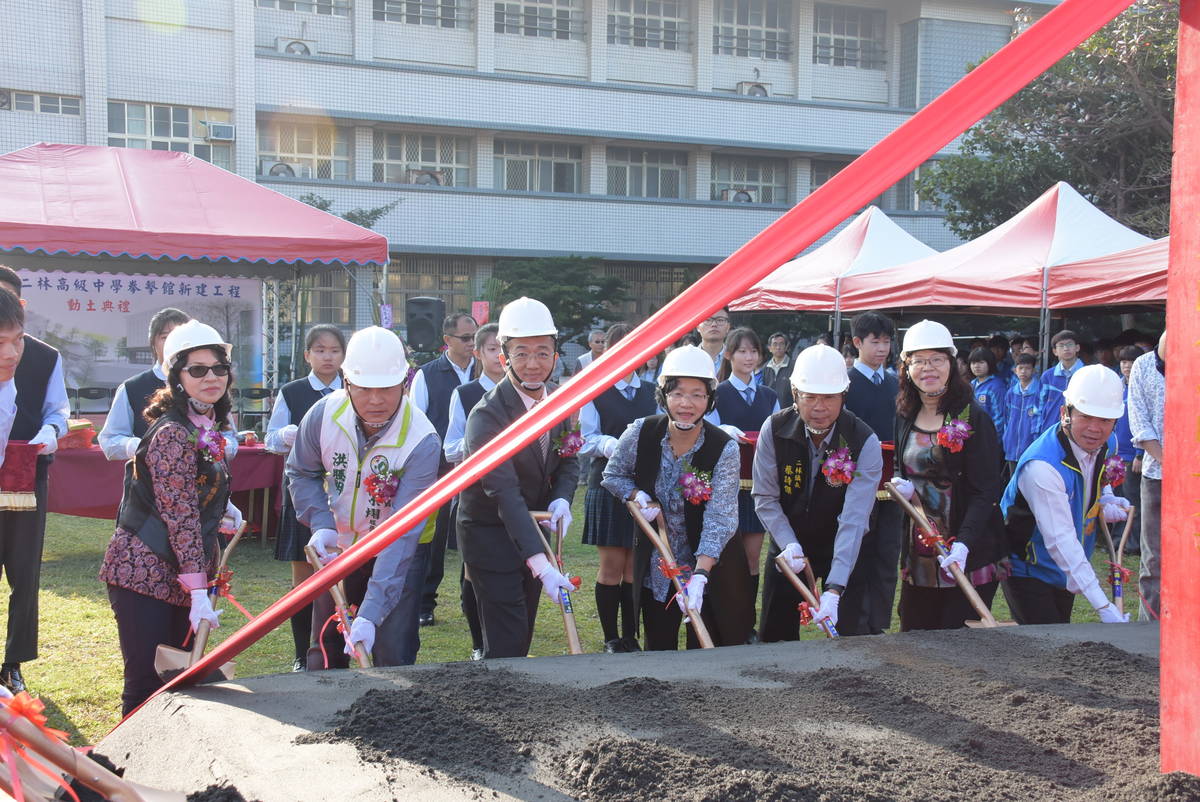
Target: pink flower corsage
<point>955,431</point>
<point>838,468</point>
<point>568,443</point>
<point>696,484</point>
<point>382,487</point>
<point>210,444</point>
<point>1114,470</point>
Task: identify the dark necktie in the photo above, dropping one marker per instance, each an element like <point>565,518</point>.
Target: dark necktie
<point>875,377</point>
<point>628,391</point>
<point>326,391</point>
<point>749,394</point>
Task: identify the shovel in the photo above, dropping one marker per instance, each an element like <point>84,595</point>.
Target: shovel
<point>169,661</point>
<point>664,551</point>
<point>340,607</point>
<point>804,590</point>
<point>987,620</point>
<point>1116,554</point>
<point>564,598</point>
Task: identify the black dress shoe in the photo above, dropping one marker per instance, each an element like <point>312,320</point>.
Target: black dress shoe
<point>614,646</point>
<point>10,677</point>
<point>630,645</point>
<point>753,638</point>
<point>426,619</point>
<point>477,654</point>
<point>299,664</point>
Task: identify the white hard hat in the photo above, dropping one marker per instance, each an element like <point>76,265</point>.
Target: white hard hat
<point>1097,391</point>
<point>928,334</point>
<point>687,361</point>
<point>192,334</point>
<point>820,370</point>
<point>375,357</point>
<point>525,317</point>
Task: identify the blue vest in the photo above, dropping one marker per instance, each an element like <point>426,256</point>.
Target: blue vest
<point>138,391</point>
<point>1034,560</point>
<point>468,396</point>
<point>32,379</point>
<point>616,412</point>
<point>874,404</point>
<point>733,409</point>
<point>299,396</point>
<point>440,380</point>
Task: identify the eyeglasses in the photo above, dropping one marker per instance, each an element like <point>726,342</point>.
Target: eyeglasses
<point>200,371</point>
<point>931,362</point>
<point>521,359</point>
<point>716,320</point>
<point>692,398</point>
<point>466,338</point>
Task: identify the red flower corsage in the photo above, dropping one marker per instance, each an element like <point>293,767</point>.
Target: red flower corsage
<point>838,468</point>
<point>955,431</point>
<point>210,444</point>
<point>1114,470</point>
<point>382,487</point>
<point>568,443</point>
<point>695,484</point>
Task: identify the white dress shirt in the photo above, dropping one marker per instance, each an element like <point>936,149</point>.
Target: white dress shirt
<point>456,428</point>
<point>868,371</point>
<point>281,415</point>
<point>8,412</point>
<point>714,417</point>
<point>589,421</point>
<point>117,432</point>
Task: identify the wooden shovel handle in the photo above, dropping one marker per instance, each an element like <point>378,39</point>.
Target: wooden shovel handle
<point>964,584</point>
<point>200,642</point>
<point>574,645</point>
<point>804,590</point>
<point>340,606</point>
<point>664,551</point>
<point>1125,534</point>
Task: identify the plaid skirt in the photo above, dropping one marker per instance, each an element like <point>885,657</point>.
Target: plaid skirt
<point>606,521</point>
<point>293,536</point>
<point>747,518</point>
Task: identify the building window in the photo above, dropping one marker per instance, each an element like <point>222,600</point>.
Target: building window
<point>327,296</point>
<point>336,8</point>
<point>178,128</point>
<point>408,158</point>
<point>440,13</point>
<point>647,173</point>
<point>753,29</point>
<point>649,23</point>
<point>749,179</point>
<point>447,277</point>
<point>304,150</point>
<point>45,104</point>
<point>549,19</point>
<point>538,166</point>
<point>824,169</point>
<point>849,37</point>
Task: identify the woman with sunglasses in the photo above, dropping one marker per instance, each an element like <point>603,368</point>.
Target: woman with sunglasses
<point>163,554</point>
<point>948,463</point>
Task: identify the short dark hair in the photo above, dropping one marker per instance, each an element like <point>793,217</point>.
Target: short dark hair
<point>908,400</point>
<point>450,322</point>
<point>872,322</point>
<point>485,331</point>
<point>1026,359</point>
<point>616,332</point>
<point>779,334</point>
<point>12,314</point>
<point>324,328</point>
<point>1129,353</point>
<point>983,355</point>
<point>998,341</point>
<point>9,276</point>
<point>166,317</point>
<point>1065,334</point>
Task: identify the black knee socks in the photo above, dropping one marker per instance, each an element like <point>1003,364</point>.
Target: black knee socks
<point>608,599</point>
<point>628,619</point>
<point>302,630</point>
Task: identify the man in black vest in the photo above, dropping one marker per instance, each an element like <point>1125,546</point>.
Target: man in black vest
<point>41,418</point>
<point>431,393</point>
<point>816,470</point>
<point>124,425</point>
<point>500,545</point>
<point>777,372</point>
<point>867,607</point>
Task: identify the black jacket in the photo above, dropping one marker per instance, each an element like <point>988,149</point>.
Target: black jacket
<point>494,528</point>
<point>974,474</point>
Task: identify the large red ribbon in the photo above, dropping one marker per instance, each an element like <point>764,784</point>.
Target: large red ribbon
<point>11,747</point>
<point>895,156</point>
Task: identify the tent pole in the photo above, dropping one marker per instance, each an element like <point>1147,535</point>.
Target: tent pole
<point>275,333</point>
<point>294,355</point>
<point>837,312</point>
<point>1044,321</point>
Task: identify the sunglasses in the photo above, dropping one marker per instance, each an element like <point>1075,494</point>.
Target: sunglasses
<point>200,371</point>
<point>465,338</point>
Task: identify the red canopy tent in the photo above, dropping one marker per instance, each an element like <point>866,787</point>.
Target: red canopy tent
<point>1138,275</point>
<point>137,208</point>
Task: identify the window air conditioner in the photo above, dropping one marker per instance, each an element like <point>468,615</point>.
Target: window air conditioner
<point>295,47</point>
<point>753,89</point>
<point>437,178</point>
<point>219,132</point>
<point>284,169</point>
<point>739,195</point>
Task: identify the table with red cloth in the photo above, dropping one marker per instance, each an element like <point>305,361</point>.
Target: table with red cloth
<point>84,483</point>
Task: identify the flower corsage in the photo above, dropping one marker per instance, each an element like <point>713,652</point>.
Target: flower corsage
<point>210,444</point>
<point>838,468</point>
<point>1114,470</point>
<point>955,431</point>
<point>568,443</point>
<point>381,487</point>
<point>695,484</point>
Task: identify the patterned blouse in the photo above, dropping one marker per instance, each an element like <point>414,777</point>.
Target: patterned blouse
<point>128,562</point>
<point>720,513</point>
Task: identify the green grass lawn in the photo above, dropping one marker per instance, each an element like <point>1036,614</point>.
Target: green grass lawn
<point>78,674</point>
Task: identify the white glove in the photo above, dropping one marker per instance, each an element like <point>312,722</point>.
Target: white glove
<point>1109,615</point>
<point>362,630</point>
<point>232,520</point>
<point>958,554</point>
<point>324,541</point>
<point>1114,508</point>
<point>131,447</point>
<point>904,487</point>
<point>5,693</point>
<point>552,580</point>
<point>47,438</point>
<point>733,431</point>
<point>202,609</point>
<point>607,447</point>
<point>288,434</point>
<point>560,510</point>
<point>794,555</point>
<point>828,608</point>
<point>646,505</point>
<point>693,593</point>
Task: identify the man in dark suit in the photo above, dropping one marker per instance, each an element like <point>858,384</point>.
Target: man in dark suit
<point>431,391</point>
<point>500,544</point>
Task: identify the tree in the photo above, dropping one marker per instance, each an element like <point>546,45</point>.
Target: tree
<point>1100,119</point>
<point>573,288</point>
<point>366,218</point>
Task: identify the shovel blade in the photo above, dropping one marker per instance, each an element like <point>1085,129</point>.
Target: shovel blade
<point>169,662</point>
<point>982,625</point>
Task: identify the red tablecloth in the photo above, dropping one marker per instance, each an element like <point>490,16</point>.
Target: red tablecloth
<point>84,483</point>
